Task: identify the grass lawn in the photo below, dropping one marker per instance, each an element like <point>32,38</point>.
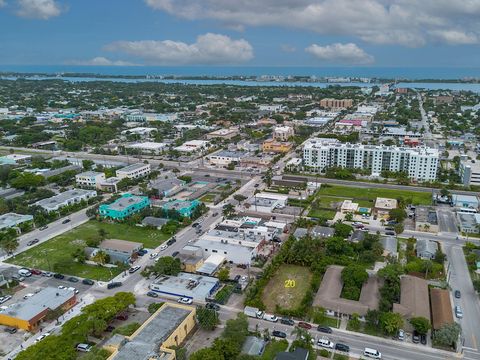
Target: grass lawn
<point>418,198</point>
<point>207,198</point>
<point>322,213</point>
<point>273,348</point>
<point>287,297</point>
<point>56,254</point>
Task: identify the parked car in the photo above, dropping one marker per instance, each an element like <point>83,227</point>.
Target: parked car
<point>26,296</point>
<point>423,339</point>
<point>152,294</point>
<point>175,253</point>
<point>110,328</point>
<point>212,306</point>
<point>66,221</point>
<point>122,316</point>
<point>342,347</point>
<point>36,272</point>
<point>237,278</point>
<point>324,342</point>
<point>390,233</point>
<point>142,252</point>
<point>279,334</point>
<point>195,225</point>
<point>171,241</point>
<point>5,298</point>
<point>287,321</point>
<point>415,337</point>
<point>304,325</point>
<point>401,335</point>
<point>185,300</point>
<point>458,312</point>
<point>73,279</point>
<point>83,347</point>
<point>76,291</point>
<point>47,273</point>
<point>324,329</point>
<point>133,269</point>
<point>59,276</point>
<point>458,294</point>
<point>153,255</point>
<point>11,330</point>
<point>32,242</point>
<point>41,337</point>
<point>163,247</point>
<point>62,287</point>
<point>87,282</point>
<point>270,317</point>
<point>113,285</point>
<point>43,228</point>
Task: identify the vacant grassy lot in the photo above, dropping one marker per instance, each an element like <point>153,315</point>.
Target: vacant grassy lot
<point>368,195</point>
<point>273,348</point>
<point>322,213</point>
<point>56,254</point>
<point>207,198</point>
<point>275,293</point>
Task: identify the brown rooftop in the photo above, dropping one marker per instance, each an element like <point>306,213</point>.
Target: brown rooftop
<point>441,308</point>
<point>414,299</point>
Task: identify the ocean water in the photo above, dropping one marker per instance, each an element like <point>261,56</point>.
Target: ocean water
<point>410,73</point>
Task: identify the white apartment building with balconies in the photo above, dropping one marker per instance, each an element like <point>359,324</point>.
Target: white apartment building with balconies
<point>419,163</point>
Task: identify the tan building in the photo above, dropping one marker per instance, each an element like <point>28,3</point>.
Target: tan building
<point>349,207</point>
<point>224,134</point>
<point>166,328</point>
<point>283,133</point>
<point>441,308</point>
<point>414,299</point>
<point>276,147</point>
<point>383,206</point>
<point>329,103</point>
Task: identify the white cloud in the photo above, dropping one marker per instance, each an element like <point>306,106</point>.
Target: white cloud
<point>38,9</point>
<point>208,49</point>
<point>287,48</point>
<point>2,3</point>
<point>455,37</point>
<point>340,53</point>
<point>405,22</point>
<point>102,61</point>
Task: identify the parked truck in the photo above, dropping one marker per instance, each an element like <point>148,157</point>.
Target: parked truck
<point>253,312</point>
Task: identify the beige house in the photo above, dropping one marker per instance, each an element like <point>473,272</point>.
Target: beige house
<point>414,299</point>
<point>349,207</point>
<point>383,206</point>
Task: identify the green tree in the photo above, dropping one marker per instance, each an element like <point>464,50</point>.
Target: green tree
<point>448,334</point>
<point>223,274</point>
<point>167,265</point>
<point>153,307</point>
<point>240,198</point>
<point>397,215</point>
<point>101,258</point>
<point>399,228</point>
<point>8,240</point>
<point>87,164</point>
<point>207,354</point>
<point>27,181</point>
<point>372,318</point>
<point>421,324</point>
<point>207,318</point>
<point>342,230</point>
<point>391,322</point>
<point>355,322</point>
<point>348,216</point>
<point>353,277</point>
<point>228,210</point>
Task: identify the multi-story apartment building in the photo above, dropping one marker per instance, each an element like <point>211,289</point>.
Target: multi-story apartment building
<point>283,133</point>
<point>89,179</point>
<point>469,172</point>
<point>420,163</point>
<point>133,171</point>
<point>336,103</point>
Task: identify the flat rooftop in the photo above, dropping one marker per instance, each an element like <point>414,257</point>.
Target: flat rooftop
<point>185,284</point>
<point>133,167</point>
<point>64,197</point>
<point>126,201</point>
<point>145,343</point>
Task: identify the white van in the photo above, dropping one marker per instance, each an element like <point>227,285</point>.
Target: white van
<point>24,272</point>
<point>324,342</point>
<point>271,318</point>
<point>84,347</point>
<point>372,353</point>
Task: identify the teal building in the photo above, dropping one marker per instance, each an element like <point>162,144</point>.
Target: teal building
<point>123,207</point>
<point>184,207</point>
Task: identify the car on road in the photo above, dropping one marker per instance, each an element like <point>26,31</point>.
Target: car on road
<point>59,276</point>
<point>142,252</point>
<point>287,321</point>
<point>35,272</point>
<point>212,306</point>
<point>324,342</point>
<point>152,294</point>
<point>47,273</point>
<point>279,334</point>
<point>114,284</point>
<point>390,233</point>
<point>88,282</point>
<point>270,317</point>
<point>458,294</point>
<point>423,339</point>
<point>215,214</point>
<point>237,278</point>
<point>32,242</point>
<point>5,298</point>
<point>11,330</point>
<point>304,325</point>
<point>195,225</point>
<point>185,300</point>
<point>41,337</point>
<point>133,269</point>
<point>401,335</point>
<point>26,296</point>
<point>324,329</point>
<point>71,288</point>
<point>66,221</point>
<point>163,247</point>
<point>415,337</point>
<point>256,185</point>
<point>153,255</point>
<point>244,278</point>
<point>43,228</point>
<point>61,287</point>
<point>73,279</point>
<point>175,253</point>
<point>342,347</point>
<point>458,312</point>
<point>171,241</point>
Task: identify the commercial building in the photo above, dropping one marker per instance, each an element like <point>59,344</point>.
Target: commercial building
<point>148,147</point>
<point>134,171</point>
<point>193,146</point>
<point>196,287</point>
<point>469,172</point>
<point>110,184</point>
<point>260,161</point>
<point>141,131</point>
<point>283,133</point>
<point>420,163</point>
<point>465,201</point>
<point>225,157</point>
<point>224,134</point>
<point>267,202</point>
<point>15,159</point>
<point>123,207</point>
<point>426,219</point>
<point>329,103</point>
<point>69,197</point>
<point>184,207</point>
<point>10,220</point>
<point>469,223</point>
<point>89,179</point>
<point>168,187</point>
<point>276,146</point>
<point>30,313</point>
<point>165,330</point>
<point>328,295</point>
<point>414,299</point>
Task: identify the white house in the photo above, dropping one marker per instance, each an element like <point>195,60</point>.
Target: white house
<point>134,171</point>
<point>68,197</point>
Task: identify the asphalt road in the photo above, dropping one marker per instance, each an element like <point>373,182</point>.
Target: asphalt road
<point>446,220</point>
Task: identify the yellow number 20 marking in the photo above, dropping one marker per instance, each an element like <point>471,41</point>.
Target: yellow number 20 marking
<point>290,283</point>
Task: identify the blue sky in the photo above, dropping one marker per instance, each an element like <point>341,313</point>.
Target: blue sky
<point>397,33</point>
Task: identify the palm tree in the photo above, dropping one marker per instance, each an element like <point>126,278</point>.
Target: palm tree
<point>100,258</point>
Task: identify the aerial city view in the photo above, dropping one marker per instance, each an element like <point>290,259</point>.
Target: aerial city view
<point>239,180</point>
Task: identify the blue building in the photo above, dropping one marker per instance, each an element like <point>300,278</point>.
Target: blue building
<point>125,206</point>
<point>184,207</point>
